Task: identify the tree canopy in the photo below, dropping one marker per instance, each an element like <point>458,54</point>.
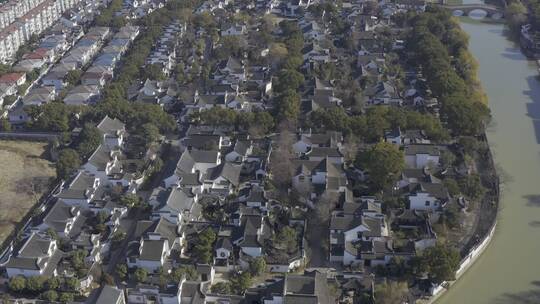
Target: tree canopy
<point>203,249</point>
<point>439,47</point>
<point>439,262</point>
<point>384,161</point>
<point>68,161</point>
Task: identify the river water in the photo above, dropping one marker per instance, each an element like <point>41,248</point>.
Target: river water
<point>509,270</point>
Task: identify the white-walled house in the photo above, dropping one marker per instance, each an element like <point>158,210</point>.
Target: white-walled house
<point>324,174</point>
<point>153,251</point>
<point>190,167</point>
<point>61,218</point>
<point>37,255</point>
<point>101,163</point>
<point>176,205</point>
<point>333,155</point>
<point>348,230</point>
<point>204,160</point>
<point>428,196</point>
<point>234,30</point>
<point>113,131</point>
<point>240,152</point>
<point>81,190</point>
<point>306,141</point>
<point>420,156</point>
<point>249,235</point>
<point>156,240</point>
<point>224,178</point>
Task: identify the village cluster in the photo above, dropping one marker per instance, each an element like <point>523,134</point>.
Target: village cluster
<point>234,205</point>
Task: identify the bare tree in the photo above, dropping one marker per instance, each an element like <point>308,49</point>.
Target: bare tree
<point>281,165</point>
<point>325,205</point>
<point>391,292</point>
<point>350,148</point>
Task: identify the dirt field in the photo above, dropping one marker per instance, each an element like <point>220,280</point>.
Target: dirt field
<point>24,176</point>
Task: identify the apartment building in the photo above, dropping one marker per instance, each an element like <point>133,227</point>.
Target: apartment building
<point>19,20</point>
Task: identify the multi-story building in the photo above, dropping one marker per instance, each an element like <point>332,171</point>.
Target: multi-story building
<point>20,20</point>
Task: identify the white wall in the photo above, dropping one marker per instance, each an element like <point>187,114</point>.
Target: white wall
<point>420,161</point>
<point>319,178</point>
<point>13,272</point>
<point>423,201</point>
<point>252,251</point>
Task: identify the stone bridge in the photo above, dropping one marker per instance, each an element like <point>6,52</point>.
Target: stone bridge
<point>465,9</point>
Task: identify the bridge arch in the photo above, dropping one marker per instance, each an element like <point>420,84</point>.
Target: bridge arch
<point>466,9</point>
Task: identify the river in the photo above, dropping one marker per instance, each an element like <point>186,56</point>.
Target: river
<point>509,269</point>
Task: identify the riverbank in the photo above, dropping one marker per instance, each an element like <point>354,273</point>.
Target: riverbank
<point>465,265</point>
<point>504,272</point>
<point>485,229</point>
<point>487,210</point>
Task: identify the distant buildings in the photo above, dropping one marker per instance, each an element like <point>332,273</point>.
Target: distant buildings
<point>20,20</point>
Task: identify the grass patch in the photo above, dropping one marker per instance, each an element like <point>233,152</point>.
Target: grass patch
<point>25,176</point>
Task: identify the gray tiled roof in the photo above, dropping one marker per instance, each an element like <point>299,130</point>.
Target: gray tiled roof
<point>422,149</point>
<point>226,170</point>
<point>110,126</point>
<point>110,295</point>
<point>152,249</point>
<point>80,187</point>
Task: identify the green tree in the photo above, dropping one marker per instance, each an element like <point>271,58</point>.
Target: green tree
<point>447,159</point>
<point>289,79</point>
<point>335,119</point>
<point>187,271</point>
<point>77,259</point>
<point>66,297</point>
<point>5,126</point>
<point>222,288</point>
<point>32,75</point>
<point>452,186</point>
<point>204,247</point>
<point>472,186</point>
<point>35,284</point>
<point>286,239</point>
<point>130,200</point>
<point>52,116</point>
<point>121,271</point>
<point>257,266</point>
<point>53,283</point>
<point>384,161</point>
<point>440,262</point>
<point>464,117</point>
<point>73,77</point>
<point>377,124</point>
<point>118,237</point>
<point>68,162</point>
<point>49,295</point>
<point>141,275</point>
<point>17,284</point>
<point>154,72</point>
<point>150,133</point>
<point>72,283</point>
<point>241,282</point>
<point>288,106</point>
<point>516,15</point>
<point>102,217</point>
<point>9,100</point>
<point>4,69</point>
<point>89,140</point>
